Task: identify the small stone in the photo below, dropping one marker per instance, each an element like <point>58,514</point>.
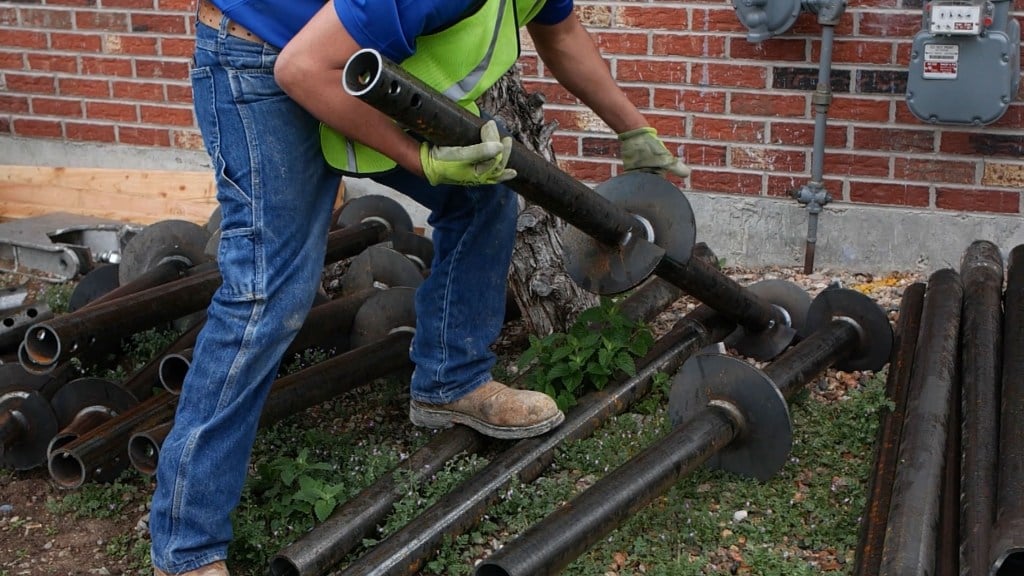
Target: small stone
<point>739,516</point>
<point>6,509</point>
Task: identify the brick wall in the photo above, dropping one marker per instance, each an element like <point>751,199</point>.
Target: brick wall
<point>116,71</point>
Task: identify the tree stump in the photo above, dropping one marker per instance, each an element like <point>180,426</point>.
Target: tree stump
<point>547,297</point>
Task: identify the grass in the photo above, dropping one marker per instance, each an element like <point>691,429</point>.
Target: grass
<point>803,521</point>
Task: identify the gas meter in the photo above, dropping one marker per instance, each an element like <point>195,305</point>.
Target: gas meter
<point>965,63</point>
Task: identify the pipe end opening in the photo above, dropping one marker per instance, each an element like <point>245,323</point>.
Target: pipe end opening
<point>66,470</point>
<point>362,72</point>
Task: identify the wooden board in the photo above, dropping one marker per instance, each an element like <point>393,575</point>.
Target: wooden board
<point>135,196</point>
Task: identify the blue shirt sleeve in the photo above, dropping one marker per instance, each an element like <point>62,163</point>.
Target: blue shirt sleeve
<point>554,11</point>
<point>392,26</point>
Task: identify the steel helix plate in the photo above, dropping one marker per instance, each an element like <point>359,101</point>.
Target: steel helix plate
<point>793,300</point>
<point>83,393</point>
<point>213,223</point>
<point>14,376</point>
<point>161,242</point>
<point>29,413</point>
<point>876,337</point>
<point>763,443</point>
<point>664,219</point>
<point>380,267</point>
<point>99,281</point>
<point>375,208</point>
<point>383,312</point>
<point>415,247</point>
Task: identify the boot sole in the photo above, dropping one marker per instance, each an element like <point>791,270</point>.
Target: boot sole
<point>421,415</point>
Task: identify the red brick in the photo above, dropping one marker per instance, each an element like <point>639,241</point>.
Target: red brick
<point>83,87</point>
<point>52,62</point>
<point>187,139</point>
<point>179,94</point>
<point>12,60</point>
<point>973,200</point>
<point>593,148</point>
<point>5,126</point>
<point>856,164</point>
<point>807,25</point>
<point>651,18</point>
<point>700,154</point>
<point>165,23</point>
<point>885,193</point>
<point>11,104</point>
<point>727,182</point>
<point>587,171</point>
<point>35,128</point>
<point>1012,118</point>
<point>166,115</point>
<point>529,65</point>
<point>668,126</point>
<point>43,18</point>
<point>689,45</point>
<point>57,107</point>
<point>32,84</point>
<point>650,71</point>
<point>176,5</point>
<point>727,129</point>
<point>565,145</point>
<point>785,186</point>
<point>619,43</point>
<point>177,48</point>
<point>553,92</point>
<point>129,44</point>
<point>859,51</point>
<point>8,16</point>
<point>903,115</point>
<point>142,136</point>
<point>161,69</point>
<point>768,104</point>
<point>903,51</point>
<point>149,91</point>
<point>100,66</point>
<point>90,132</point>
<point>24,39</point>
<point>789,50</point>
<point>802,134</point>
<point>71,2</point>
<point>872,4</point>
<point>894,140</point>
<point>889,24</point>
<point>108,20</point>
<point>935,171</point>
<point>716,20</point>
<point>139,4</point>
<point>769,159</point>
<point>729,75</point>
<point>707,101</point>
<point>860,109</point>
<point>112,111</point>
<point>76,42</point>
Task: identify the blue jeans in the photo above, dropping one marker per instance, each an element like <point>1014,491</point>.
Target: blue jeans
<point>276,196</point>
<point>276,199</point>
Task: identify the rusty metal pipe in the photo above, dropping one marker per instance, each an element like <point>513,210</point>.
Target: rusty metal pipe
<point>981,351</point>
<point>173,368</point>
<point>868,555</point>
<point>144,447</point>
<point>328,543</point>
<point>84,421</point>
<point>550,545</point>
<point>405,551</point>
<point>401,96</point>
<point>912,534</point>
<point>61,338</point>
<point>1008,538</point>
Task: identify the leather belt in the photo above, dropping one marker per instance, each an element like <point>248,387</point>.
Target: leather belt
<point>209,14</point>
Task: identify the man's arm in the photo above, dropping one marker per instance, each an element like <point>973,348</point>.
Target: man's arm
<point>570,53</point>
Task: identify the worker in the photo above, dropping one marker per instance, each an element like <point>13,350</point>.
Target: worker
<point>280,131</point>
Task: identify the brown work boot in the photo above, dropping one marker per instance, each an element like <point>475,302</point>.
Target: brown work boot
<point>493,409</point>
<point>215,569</point>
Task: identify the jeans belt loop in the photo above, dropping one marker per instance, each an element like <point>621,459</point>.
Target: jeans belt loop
<point>209,14</point>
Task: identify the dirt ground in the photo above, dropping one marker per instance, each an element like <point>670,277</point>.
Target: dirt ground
<point>37,538</point>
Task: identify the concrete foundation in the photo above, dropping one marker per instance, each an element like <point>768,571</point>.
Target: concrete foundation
<point>745,231</point>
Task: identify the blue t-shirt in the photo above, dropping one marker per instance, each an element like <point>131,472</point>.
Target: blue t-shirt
<point>390,26</point>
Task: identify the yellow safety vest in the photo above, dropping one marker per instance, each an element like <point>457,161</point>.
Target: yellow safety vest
<point>462,62</point>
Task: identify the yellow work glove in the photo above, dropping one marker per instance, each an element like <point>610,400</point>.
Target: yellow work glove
<point>643,150</point>
<point>474,165</point>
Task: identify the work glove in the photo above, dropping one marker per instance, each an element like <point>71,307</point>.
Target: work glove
<point>474,165</point>
<point>642,150</point>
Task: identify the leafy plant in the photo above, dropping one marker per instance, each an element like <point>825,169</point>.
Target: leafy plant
<point>599,344</point>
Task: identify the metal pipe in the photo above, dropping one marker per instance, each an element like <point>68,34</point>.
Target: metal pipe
<point>912,534</point>
<point>84,421</point>
<point>173,368</point>
<point>405,551</point>
<point>981,350</point>
<point>553,543</point>
<point>1008,537</point>
<point>396,93</point>
<point>15,323</point>
<point>48,342</point>
<point>868,555</point>
<point>328,543</point>
<point>144,447</point>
